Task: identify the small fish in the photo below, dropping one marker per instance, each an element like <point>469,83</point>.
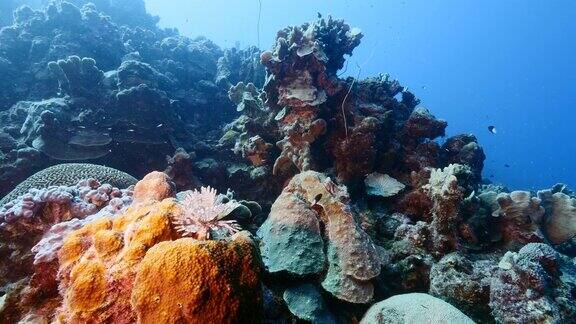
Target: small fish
<point>81,127</point>
<point>109,128</point>
<point>130,130</point>
<point>492,129</point>
<point>316,200</point>
<point>507,165</point>
<point>319,15</point>
<point>159,125</point>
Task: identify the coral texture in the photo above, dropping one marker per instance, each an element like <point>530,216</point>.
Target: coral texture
<point>293,229</point>
<point>382,185</point>
<point>306,303</point>
<point>414,308</point>
<point>175,278</point>
<point>132,267</point>
<point>69,174</point>
<point>560,221</point>
<point>536,284</point>
<point>520,216</point>
<point>353,197</point>
<point>32,231</point>
<point>464,283</point>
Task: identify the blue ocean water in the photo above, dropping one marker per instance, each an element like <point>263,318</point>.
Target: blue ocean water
<point>473,63</point>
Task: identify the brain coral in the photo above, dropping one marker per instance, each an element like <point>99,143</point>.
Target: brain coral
<point>414,308</point>
<point>69,174</point>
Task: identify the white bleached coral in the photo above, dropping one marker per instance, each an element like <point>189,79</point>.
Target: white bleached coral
<point>383,185</point>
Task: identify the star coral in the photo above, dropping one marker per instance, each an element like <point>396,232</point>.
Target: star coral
<point>203,213</point>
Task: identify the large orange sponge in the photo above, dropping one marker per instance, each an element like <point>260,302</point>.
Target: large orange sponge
<point>190,281</point>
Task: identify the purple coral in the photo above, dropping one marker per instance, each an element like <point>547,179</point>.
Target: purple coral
<point>203,213</point>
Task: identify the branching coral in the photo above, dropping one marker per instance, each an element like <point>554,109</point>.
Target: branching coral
<point>203,214</point>
<point>79,77</point>
<point>446,193</point>
<point>302,69</point>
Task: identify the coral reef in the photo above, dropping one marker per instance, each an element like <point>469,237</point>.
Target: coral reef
<point>131,266</point>
<point>337,204</point>
<point>102,83</point>
<point>311,201</point>
<point>180,169</point>
<point>69,174</point>
<point>464,283</point>
<point>536,284</point>
<point>302,68</point>
<point>33,227</point>
<point>560,221</point>
<point>520,216</point>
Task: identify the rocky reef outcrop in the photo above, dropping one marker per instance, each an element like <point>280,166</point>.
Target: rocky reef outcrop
<point>312,223</point>
<point>86,81</point>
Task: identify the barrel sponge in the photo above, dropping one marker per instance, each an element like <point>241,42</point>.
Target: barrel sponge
<point>68,174</point>
<point>190,281</point>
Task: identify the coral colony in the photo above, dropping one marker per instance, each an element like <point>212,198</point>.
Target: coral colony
<point>306,197</point>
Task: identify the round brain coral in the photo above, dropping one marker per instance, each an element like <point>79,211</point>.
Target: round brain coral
<point>68,174</point>
<point>191,281</point>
